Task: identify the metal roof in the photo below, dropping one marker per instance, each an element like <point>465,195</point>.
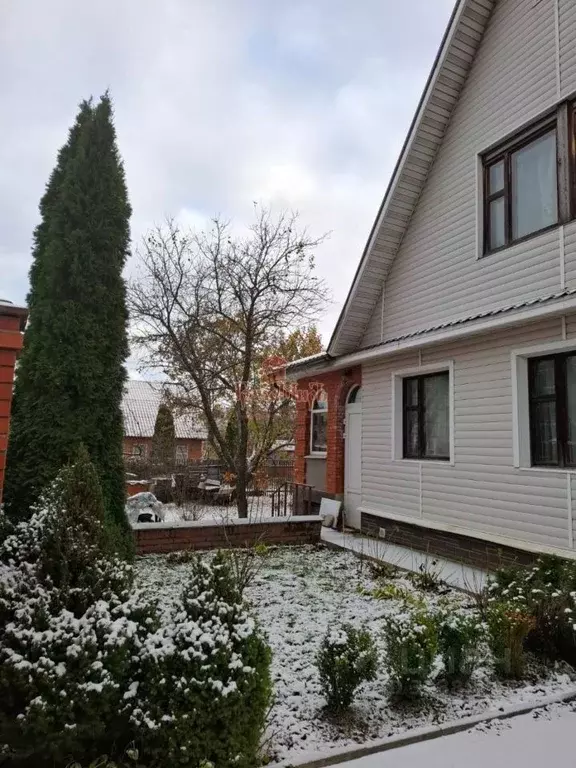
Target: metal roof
<point>140,407</point>
<point>461,321</point>
<point>445,84</point>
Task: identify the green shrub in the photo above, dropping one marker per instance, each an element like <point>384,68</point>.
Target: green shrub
<point>87,666</point>
<point>509,627</point>
<point>427,577</point>
<point>459,635</point>
<point>547,592</point>
<point>347,658</point>
<point>412,644</point>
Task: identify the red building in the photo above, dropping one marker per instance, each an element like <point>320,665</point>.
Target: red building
<point>12,324</point>
<point>140,409</point>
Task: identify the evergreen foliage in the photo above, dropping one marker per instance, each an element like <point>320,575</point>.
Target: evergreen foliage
<point>71,371</point>
<point>164,437</point>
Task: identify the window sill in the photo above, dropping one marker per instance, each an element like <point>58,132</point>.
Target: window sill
<point>553,470</point>
<point>317,455</point>
<point>443,462</point>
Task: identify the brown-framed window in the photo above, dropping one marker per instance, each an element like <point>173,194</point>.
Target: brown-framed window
<point>552,397</point>
<point>521,187</point>
<point>426,417</point>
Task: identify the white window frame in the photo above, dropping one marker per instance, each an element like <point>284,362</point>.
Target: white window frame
<point>321,395</point>
<point>521,404</point>
<point>183,450</point>
<point>397,409</point>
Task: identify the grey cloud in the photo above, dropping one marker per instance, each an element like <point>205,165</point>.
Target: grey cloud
<point>297,102</point>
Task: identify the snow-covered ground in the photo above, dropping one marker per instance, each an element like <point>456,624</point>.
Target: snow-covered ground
<point>299,593</point>
<point>259,507</point>
<point>539,738</point>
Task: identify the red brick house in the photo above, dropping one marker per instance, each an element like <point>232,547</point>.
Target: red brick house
<point>12,324</point>
<point>326,411</point>
<point>140,408</point>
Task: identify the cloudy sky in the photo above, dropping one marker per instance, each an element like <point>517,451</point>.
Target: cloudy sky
<point>297,103</point>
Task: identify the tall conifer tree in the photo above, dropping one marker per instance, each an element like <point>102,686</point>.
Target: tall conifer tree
<point>71,372</point>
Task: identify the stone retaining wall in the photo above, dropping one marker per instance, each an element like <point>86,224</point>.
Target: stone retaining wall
<point>159,538</point>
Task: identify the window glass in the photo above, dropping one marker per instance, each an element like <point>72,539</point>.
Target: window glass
<point>319,422</point>
<point>426,417</point>
<point>411,449</point>
<point>544,438</point>
<point>436,416</point>
<point>497,223</point>
<point>543,378</point>
<point>497,177</point>
<point>571,409</point>
<point>534,186</point>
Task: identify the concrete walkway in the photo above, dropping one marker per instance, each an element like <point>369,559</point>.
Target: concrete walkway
<point>544,737</point>
<point>454,574</point>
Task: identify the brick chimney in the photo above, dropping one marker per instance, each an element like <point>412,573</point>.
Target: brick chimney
<point>12,324</point>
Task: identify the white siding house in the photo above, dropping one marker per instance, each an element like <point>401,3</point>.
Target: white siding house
<point>453,282</point>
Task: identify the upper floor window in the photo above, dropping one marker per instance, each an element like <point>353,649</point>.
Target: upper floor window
<point>426,416</point>
<point>552,399</point>
<point>319,424</point>
<point>521,187</point>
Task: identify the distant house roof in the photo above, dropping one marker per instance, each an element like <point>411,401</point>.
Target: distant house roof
<point>140,407</point>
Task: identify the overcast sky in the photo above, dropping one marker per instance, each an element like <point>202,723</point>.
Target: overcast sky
<point>298,103</point>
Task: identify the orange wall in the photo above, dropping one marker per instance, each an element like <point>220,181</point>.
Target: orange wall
<point>195,447</point>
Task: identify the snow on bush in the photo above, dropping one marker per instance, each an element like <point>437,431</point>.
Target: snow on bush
<point>347,658</point>
<point>459,635</point>
<point>88,665</point>
<point>411,643</point>
<point>547,592</point>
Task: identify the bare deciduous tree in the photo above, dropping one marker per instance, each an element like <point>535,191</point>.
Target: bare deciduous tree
<point>207,306</point>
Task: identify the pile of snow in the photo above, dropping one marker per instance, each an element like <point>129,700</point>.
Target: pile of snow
<point>144,507</point>
<point>298,595</point>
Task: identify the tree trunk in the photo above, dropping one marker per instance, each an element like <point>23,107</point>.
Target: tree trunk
<point>241,497</point>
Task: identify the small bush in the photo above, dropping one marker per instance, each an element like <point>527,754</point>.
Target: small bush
<point>88,666</point>
<point>412,644</point>
<point>459,635</point>
<point>547,592</point>
<point>427,577</point>
<point>347,658</point>
<point>509,627</point>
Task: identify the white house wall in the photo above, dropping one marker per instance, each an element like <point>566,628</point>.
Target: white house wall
<point>525,64</point>
<point>482,491</point>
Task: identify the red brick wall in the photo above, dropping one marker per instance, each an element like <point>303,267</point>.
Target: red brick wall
<point>12,320</point>
<point>156,540</point>
<point>195,447</point>
<point>337,385</point>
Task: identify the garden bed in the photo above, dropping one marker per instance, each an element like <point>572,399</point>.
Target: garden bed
<point>297,595</point>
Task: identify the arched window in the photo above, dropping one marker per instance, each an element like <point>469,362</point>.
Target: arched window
<point>318,424</point>
<point>355,395</point>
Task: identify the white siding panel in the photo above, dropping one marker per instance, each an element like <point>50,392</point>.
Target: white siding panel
<point>436,275</point>
<point>373,333</point>
<point>482,491</point>
<point>570,254</point>
<point>567,27</point>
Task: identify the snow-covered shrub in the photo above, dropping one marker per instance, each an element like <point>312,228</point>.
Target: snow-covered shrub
<point>204,685</point>
<point>88,666</point>
<point>411,643</point>
<point>347,658</point>
<point>509,626</point>
<point>459,635</point>
<point>546,591</point>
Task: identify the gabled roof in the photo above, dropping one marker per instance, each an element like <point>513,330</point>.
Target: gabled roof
<point>140,407</point>
<point>445,83</point>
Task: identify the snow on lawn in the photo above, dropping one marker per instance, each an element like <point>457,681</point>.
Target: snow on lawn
<point>259,507</point>
<point>298,594</point>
